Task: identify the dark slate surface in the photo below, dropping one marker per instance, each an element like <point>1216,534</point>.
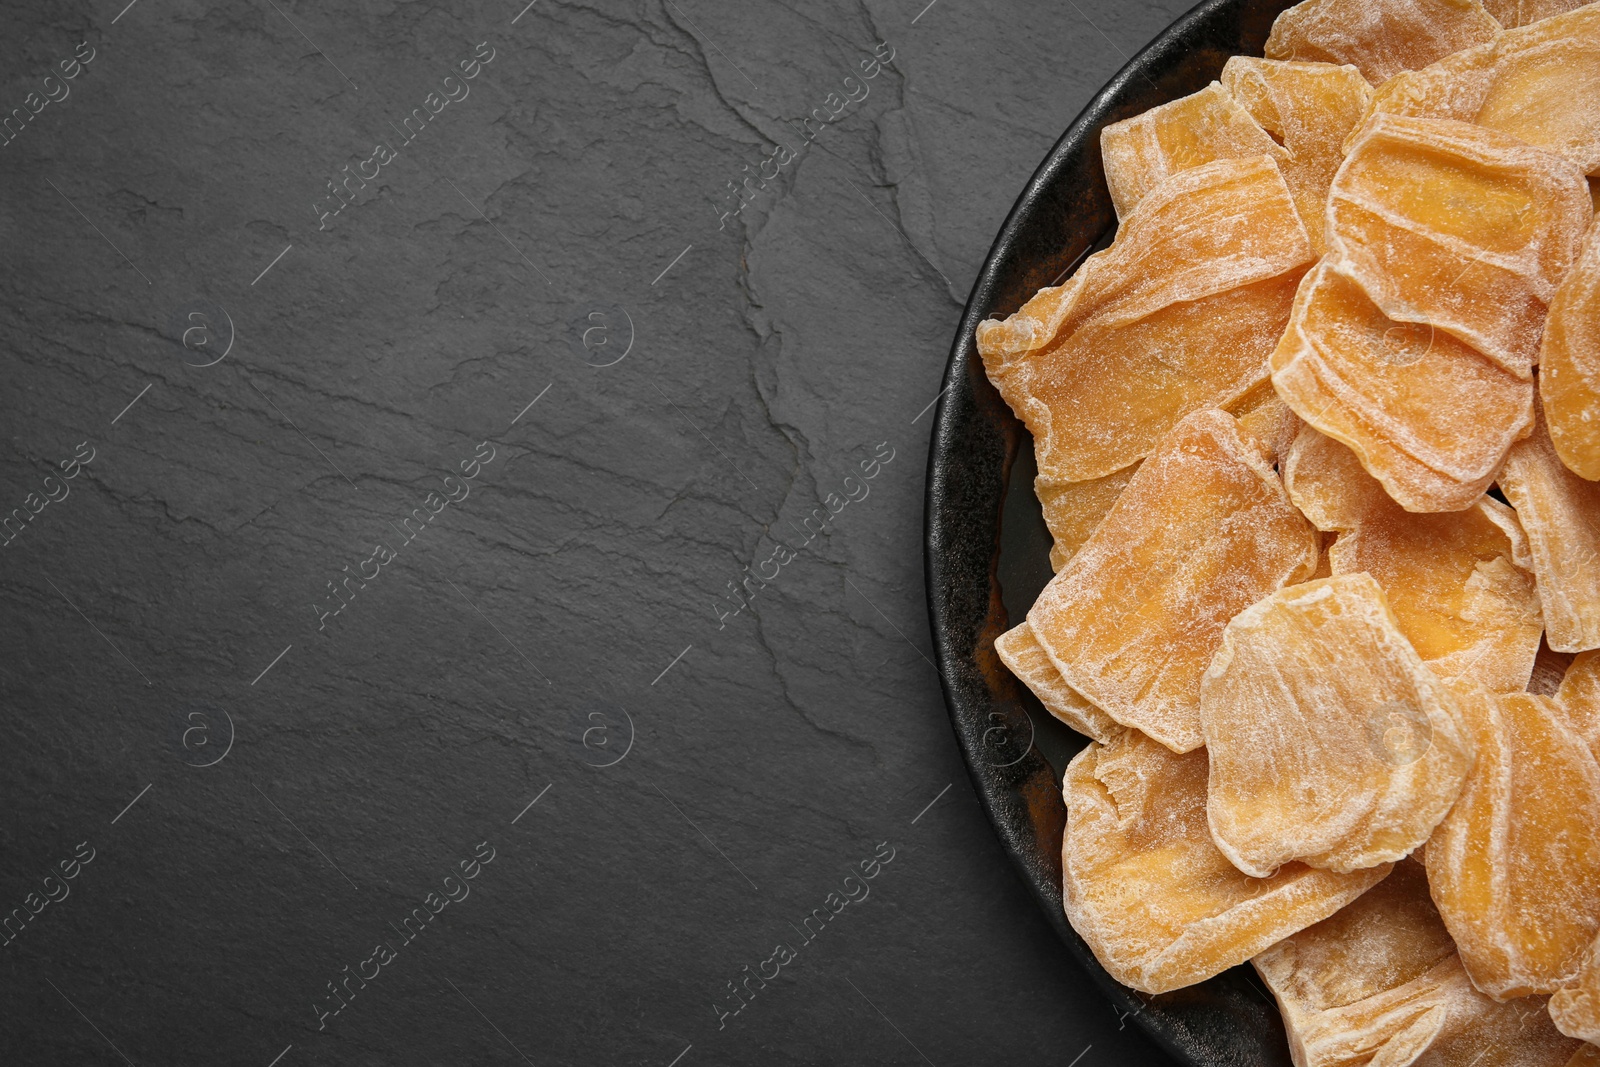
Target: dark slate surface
<point>265,390</point>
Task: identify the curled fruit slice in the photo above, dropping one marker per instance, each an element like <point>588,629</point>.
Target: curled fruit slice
<point>1459,582</point>
<point>1459,228</point>
<point>1380,37</point>
<point>1515,866</point>
<point>1380,983</point>
<point>1331,743</point>
<point>1538,84</point>
<point>1569,364</point>
<point>1027,659</point>
<point>1428,417</point>
<point>1145,886</point>
<point>1561,513</point>
<point>1177,315</point>
<point>1311,108</point>
<point>1579,696</point>
<point>1202,531</point>
<point>1142,152</point>
<point>1072,510</point>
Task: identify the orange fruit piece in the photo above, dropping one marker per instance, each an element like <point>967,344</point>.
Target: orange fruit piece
<point>1538,83</point>
<point>1310,108</point>
<point>1458,227</point>
<point>1514,13</point>
<point>1177,315</point>
<point>1202,531</point>
<point>1072,510</point>
<point>1576,1008</point>
<point>1274,424</point>
<point>1026,658</point>
<point>1380,983</point>
<point>1428,417</point>
<point>1569,364</point>
<point>1561,513</point>
<point>1459,582</point>
<point>1331,743</point>
<point>1515,866</point>
<point>1142,152</point>
<point>1380,38</point>
<point>1144,885</point>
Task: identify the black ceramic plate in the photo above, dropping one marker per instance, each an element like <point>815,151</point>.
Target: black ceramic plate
<point>987,549</point>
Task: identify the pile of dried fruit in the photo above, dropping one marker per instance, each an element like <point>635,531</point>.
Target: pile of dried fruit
<point>1318,438</point>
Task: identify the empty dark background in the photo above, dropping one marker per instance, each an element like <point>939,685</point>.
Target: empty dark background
<point>702,782</point>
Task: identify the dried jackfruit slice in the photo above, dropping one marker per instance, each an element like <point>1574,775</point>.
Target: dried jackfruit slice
<point>1177,315</point>
<point>1331,743</point>
<point>1027,659</point>
<point>1311,108</point>
<point>1428,417</point>
<point>1380,983</point>
<point>1072,510</point>
<point>1515,867</point>
<point>1202,531</point>
<point>1460,228</point>
<point>1576,1008</point>
<point>1569,364</point>
<point>1144,885</point>
<point>1561,513</point>
<point>1274,424</point>
<point>1142,152</point>
<point>1579,696</point>
<point>1380,37</point>
<point>1459,582</point>
<point>1514,13</point>
<point>1539,84</point>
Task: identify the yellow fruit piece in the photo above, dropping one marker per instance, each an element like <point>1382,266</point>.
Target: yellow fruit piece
<point>1579,697</point>
<point>1576,1008</point>
<point>1380,983</point>
<point>1176,316</point>
<point>1428,417</point>
<point>1569,364</point>
<point>1539,84</point>
<point>1459,582</point>
<point>1460,228</point>
<point>1311,108</point>
<point>1202,531</point>
<point>1144,151</point>
<point>1144,885</point>
<point>1515,866</point>
<point>1072,510</point>
<point>1561,513</point>
<point>1331,742</point>
<point>1380,38</point>
<point>1514,13</point>
<point>1027,659</point>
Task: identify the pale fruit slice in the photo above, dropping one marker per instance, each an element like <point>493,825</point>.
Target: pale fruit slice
<point>1202,531</point>
<point>1514,13</point>
<point>1311,108</point>
<point>1459,582</point>
<point>1539,84</point>
<point>1458,227</point>
<point>1144,151</point>
<point>1380,983</point>
<point>1331,743</point>
<point>1576,1008</point>
<point>1428,417</point>
<point>1579,697</point>
<point>1515,866</point>
<point>1072,510</point>
<point>1380,37</point>
<point>1027,659</point>
<point>1177,315</point>
<point>1569,364</point>
<point>1144,885</point>
<point>1561,513</point>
